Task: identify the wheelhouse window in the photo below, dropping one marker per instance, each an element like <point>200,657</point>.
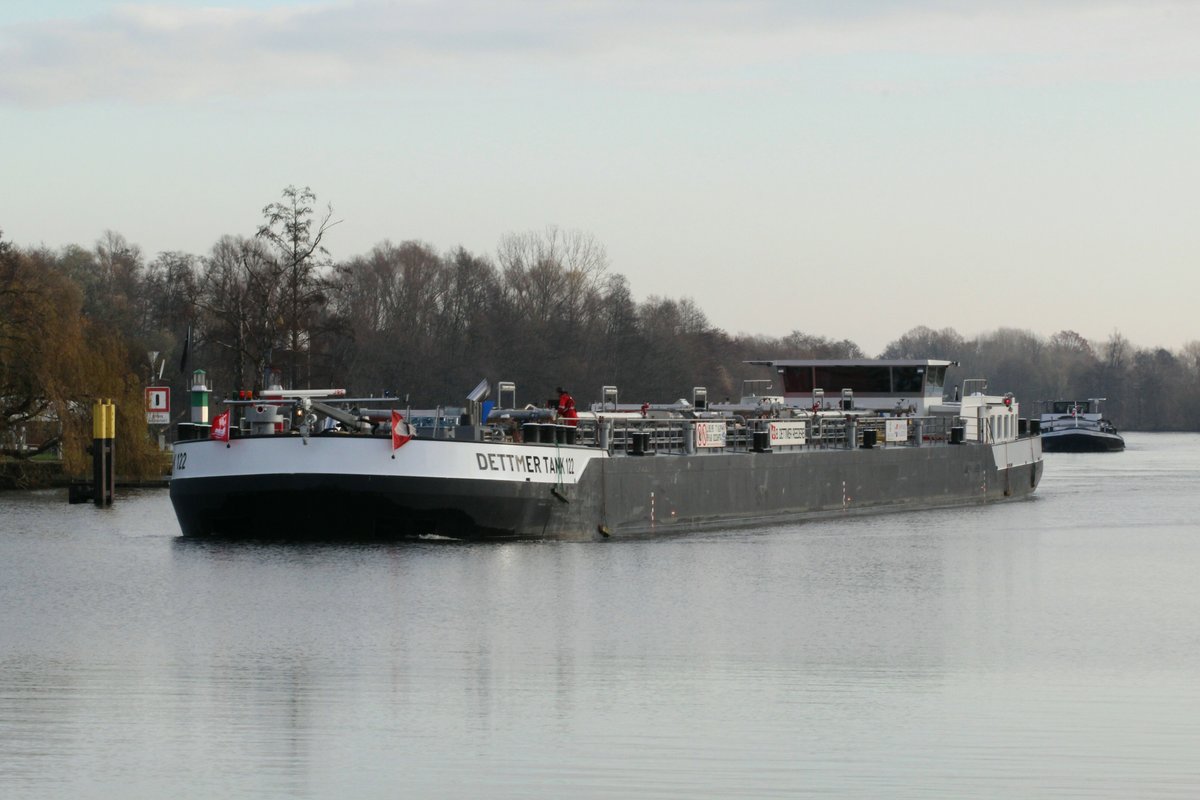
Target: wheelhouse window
<point>1069,407</point>
<point>797,379</point>
<point>901,381</point>
<point>874,380</point>
<point>907,380</point>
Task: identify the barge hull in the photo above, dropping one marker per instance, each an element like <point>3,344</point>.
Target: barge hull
<point>618,497</point>
<point>787,487</point>
<point>1081,441</point>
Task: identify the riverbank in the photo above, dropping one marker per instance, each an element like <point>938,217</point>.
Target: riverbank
<point>28,474</point>
<point>23,475</point>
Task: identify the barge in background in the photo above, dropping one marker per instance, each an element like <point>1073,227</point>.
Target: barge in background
<point>844,437</point>
<point>1077,426</point>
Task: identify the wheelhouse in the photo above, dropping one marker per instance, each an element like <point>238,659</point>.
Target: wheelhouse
<point>911,385</point>
<point>1073,408</point>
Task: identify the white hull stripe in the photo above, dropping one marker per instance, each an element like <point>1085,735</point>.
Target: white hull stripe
<point>324,455</point>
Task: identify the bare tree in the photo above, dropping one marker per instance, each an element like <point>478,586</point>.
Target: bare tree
<point>1070,361</point>
<point>552,273</point>
<point>240,295</point>
<point>296,234</point>
<point>925,342</point>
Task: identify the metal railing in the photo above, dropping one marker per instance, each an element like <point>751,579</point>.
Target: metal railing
<point>650,436</point>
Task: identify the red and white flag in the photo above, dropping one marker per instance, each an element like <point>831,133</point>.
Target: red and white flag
<point>401,430</point>
<point>220,428</point>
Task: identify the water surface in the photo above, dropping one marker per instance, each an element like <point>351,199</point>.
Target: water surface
<point>1039,648</point>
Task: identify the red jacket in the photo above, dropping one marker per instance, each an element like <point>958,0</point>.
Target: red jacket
<point>566,408</point>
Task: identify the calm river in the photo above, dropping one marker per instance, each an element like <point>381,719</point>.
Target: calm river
<point>1043,648</point>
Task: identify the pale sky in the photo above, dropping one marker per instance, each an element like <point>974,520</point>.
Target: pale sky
<point>848,169</point>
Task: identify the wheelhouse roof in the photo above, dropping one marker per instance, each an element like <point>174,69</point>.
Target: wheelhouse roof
<point>855,362</point>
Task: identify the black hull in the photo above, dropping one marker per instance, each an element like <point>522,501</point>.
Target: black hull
<point>1081,441</point>
<point>623,496</point>
<point>357,506</point>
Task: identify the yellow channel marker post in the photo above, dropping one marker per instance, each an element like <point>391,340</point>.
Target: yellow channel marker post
<point>104,431</point>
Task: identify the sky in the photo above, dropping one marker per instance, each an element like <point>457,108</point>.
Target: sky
<point>847,169</point>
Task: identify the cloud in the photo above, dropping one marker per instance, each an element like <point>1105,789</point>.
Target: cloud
<point>162,53</point>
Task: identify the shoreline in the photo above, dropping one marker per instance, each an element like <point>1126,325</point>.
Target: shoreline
<point>16,476</point>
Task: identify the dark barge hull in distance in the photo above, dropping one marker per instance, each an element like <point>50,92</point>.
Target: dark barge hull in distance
<point>1081,441</point>
<point>618,496</point>
<point>1078,426</point>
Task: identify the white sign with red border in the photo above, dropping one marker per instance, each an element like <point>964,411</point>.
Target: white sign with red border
<point>710,434</point>
<point>158,405</point>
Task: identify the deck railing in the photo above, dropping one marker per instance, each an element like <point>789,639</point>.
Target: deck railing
<point>650,436</point>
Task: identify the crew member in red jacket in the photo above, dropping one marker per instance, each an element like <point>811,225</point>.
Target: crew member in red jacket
<point>566,407</point>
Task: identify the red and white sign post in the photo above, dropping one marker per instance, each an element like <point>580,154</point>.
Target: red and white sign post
<point>158,405</point>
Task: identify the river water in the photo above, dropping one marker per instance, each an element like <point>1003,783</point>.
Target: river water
<point>1042,648</point>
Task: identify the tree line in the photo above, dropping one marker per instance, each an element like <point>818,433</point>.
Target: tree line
<point>544,310</point>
